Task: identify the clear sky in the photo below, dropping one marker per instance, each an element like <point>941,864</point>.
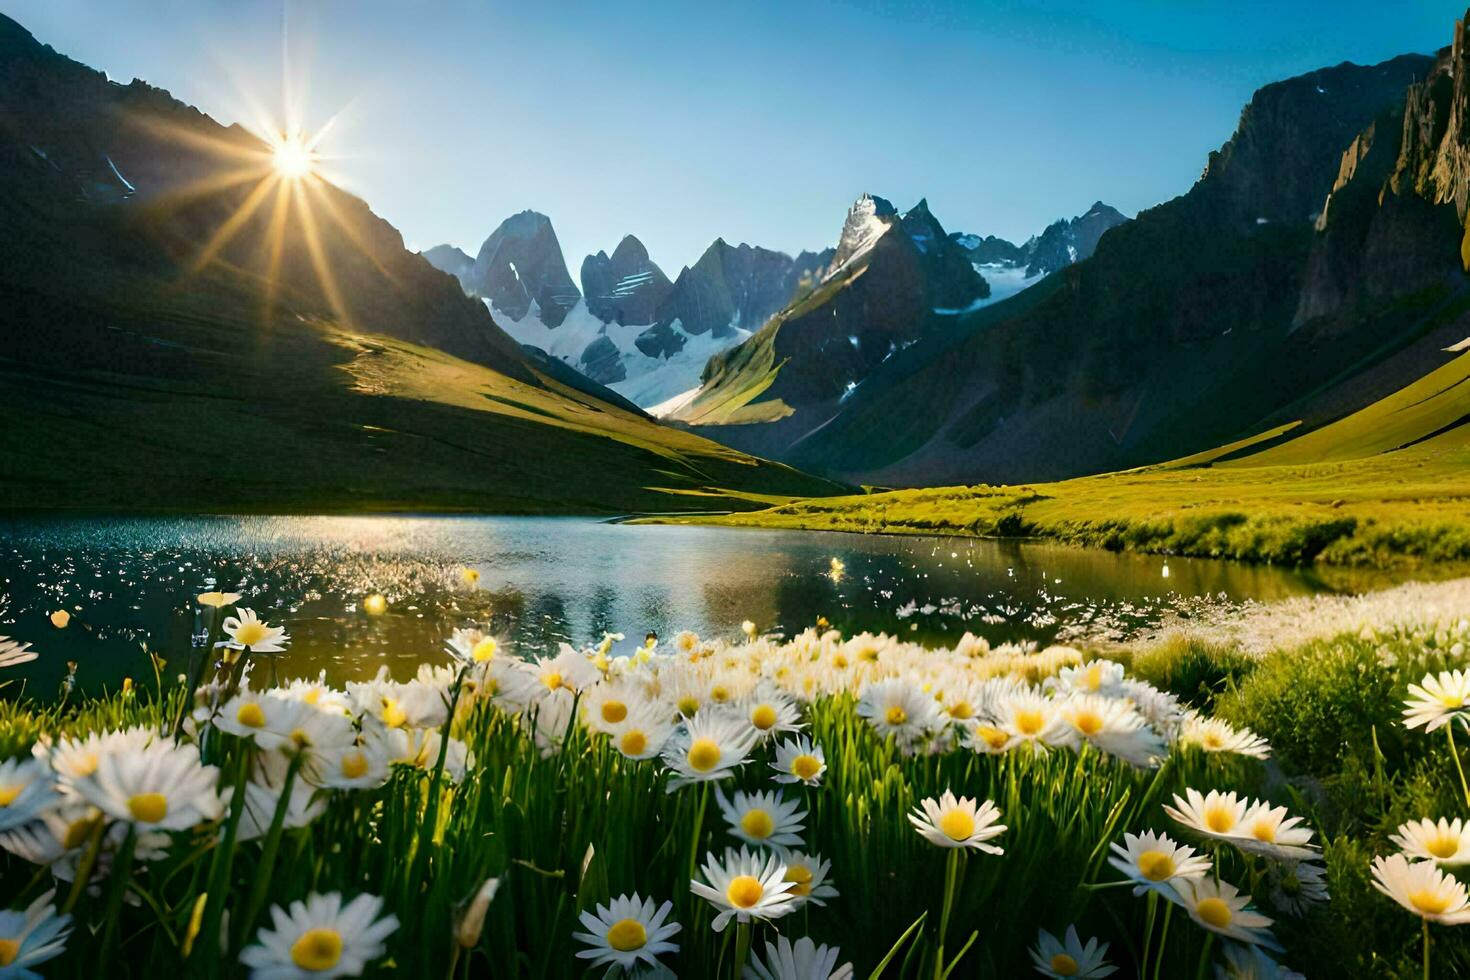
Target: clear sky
<point>752,120</point>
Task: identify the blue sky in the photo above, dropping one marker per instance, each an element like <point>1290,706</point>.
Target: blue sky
<point>756,121</point>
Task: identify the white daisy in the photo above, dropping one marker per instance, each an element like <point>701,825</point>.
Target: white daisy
<point>1028,717</point>
<point>709,747</point>
<point>900,708</point>
<point>1214,735</point>
<point>1251,963</point>
<point>770,712</point>
<point>32,937</point>
<point>643,734</point>
<point>762,819</point>
<point>1153,860</point>
<point>808,876</point>
<point>1068,957</point>
<point>1438,700</point>
<point>1422,888</point>
<point>627,931</point>
<point>13,653</point>
<point>958,822</point>
<point>745,886</point>
<point>26,791</point>
<point>1446,842</point>
<point>1220,908</point>
<point>801,960</point>
<point>472,646</point>
<point>320,938</point>
<point>161,787</point>
<point>799,761</point>
<point>1110,725</point>
<point>1269,831</point>
<point>249,630</point>
<point>1215,814</point>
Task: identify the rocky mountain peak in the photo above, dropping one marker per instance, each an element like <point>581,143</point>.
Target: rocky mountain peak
<point>521,264</point>
<point>867,220</point>
<point>625,288</point>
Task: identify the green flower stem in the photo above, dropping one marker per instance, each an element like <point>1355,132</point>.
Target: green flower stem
<point>261,889</point>
<point>951,886</point>
<point>1454,754</point>
<point>1163,941</point>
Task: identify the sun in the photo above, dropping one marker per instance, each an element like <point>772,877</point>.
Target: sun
<point>292,157</point>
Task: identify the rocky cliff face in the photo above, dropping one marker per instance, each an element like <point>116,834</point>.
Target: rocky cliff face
<point>521,264</point>
<point>735,287</point>
<point>447,258</point>
<point>990,250</point>
<point>953,281</point>
<point>1067,241</point>
<point>625,288</point>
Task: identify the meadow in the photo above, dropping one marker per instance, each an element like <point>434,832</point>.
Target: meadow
<point>761,807</point>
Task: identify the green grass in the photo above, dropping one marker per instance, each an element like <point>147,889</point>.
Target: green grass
<point>1343,495</point>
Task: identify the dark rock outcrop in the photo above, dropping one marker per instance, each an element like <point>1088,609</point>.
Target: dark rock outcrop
<point>1067,241</point>
<point>952,280</point>
<point>626,287</point>
<point>602,362</point>
<point>990,250</point>
<point>520,264</point>
<point>735,286</point>
<point>660,340</point>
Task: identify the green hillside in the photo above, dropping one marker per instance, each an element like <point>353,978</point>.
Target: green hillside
<point>1384,486</point>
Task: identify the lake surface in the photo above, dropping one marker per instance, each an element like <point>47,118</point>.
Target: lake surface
<point>130,581</point>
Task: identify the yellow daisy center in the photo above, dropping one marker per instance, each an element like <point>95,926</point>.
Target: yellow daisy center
<point>552,680</point>
<point>9,793</point>
<point>1155,865</point>
<point>1213,912</point>
<point>1212,740</point>
<point>250,715</point>
<point>801,878</point>
<point>76,833</point>
<point>300,738</point>
<point>614,711</point>
<point>9,950</point>
<point>1264,830</point>
<point>704,754</point>
<point>896,715</point>
<point>1442,845</point>
<point>1219,819</point>
<point>484,650</point>
<point>393,714</point>
<point>805,766</point>
<point>870,654</point>
<point>249,634</point>
<point>633,743</point>
<point>719,694</point>
<point>148,807</point>
<point>1063,965</point>
<point>763,717</point>
<point>993,737</point>
<point>1452,700</point>
<point>1092,678</point>
<point>354,765</point>
<point>957,824</point>
<point>744,892</point>
<point>961,711</point>
<point>317,949</point>
<point>839,661</point>
<point>1089,723</point>
<point>626,935</point>
<point>312,696</point>
<point>1428,902</point>
<point>688,705</point>
<point>758,824</point>
<point>1029,721</point>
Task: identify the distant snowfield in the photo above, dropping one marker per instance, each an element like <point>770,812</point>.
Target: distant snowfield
<point>1005,282</point>
<point>650,380</point>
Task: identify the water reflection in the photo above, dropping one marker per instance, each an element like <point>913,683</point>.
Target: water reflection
<point>127,582</point>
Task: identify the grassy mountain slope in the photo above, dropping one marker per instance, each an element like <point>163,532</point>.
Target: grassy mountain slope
<point>183,331</point>
<point>1385,485</point>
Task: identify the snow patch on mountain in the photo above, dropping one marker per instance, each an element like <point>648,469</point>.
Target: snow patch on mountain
<point>645,380</point>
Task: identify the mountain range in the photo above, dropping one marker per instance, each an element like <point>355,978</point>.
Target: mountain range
<point>650,339</point>
<point>185,329</point>
<point>1314,269</point>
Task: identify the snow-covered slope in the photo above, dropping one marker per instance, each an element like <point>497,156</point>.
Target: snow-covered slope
<point>583,341</point>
